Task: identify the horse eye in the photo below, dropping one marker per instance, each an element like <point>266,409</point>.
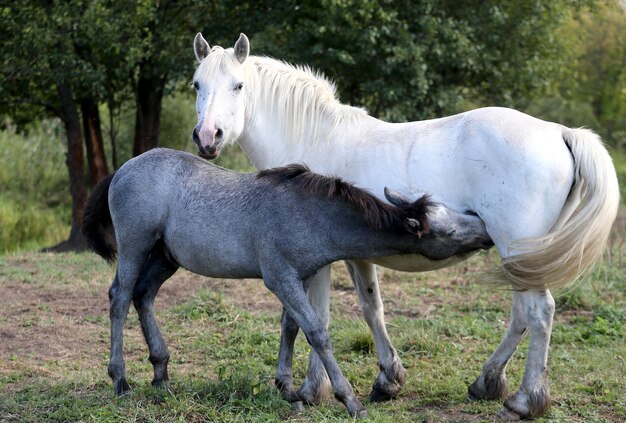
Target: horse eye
<point>196,86</point>
<point>239,86</point>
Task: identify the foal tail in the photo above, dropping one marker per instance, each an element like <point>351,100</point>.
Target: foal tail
<point>577,240</point>
<point>97,224</point>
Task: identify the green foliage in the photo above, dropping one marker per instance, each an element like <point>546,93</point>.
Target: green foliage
<point>593,93</point>
<point>34,203</point>
<point>26,226</point>
<point>401,60</point>
<point>413,60</point>
<point>619,160</point>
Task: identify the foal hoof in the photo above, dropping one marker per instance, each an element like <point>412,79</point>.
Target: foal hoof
<point>160,383</point>
<point>121,387</point>
<point>297,406</point>
<point>359,414</point>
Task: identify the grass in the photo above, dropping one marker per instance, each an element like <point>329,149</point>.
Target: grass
<point>223,337</point>
<point>34,200</point>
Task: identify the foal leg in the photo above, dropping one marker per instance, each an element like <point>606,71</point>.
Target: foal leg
<point>316,386</point>
<point>492,383</point>
<point>290,292</point>
<point>533,397</point>
<point>284,375</point>
<point>156,271</point>
<point>120,295</point>
<point>391,376</point>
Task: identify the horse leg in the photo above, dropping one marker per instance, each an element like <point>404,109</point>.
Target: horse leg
<point>117,315</point>
<point>316,386</point>
<point>391,375</point>
<point>284,376</point>
<point>290,291</point>
<point>491,383</point>
<point>120,295</point>
<point>156,271</point>
<point>533,397</point>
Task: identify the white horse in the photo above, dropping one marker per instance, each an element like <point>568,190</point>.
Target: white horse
<point>548,194</point>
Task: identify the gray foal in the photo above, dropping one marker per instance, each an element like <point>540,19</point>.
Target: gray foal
<point>166,209</point>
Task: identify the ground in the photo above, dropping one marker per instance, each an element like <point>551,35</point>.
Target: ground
<point>223,337</point>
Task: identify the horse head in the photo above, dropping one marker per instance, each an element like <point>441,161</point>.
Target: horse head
<point>220,102</point>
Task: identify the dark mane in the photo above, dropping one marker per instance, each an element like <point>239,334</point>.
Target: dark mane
<point>377,214</point>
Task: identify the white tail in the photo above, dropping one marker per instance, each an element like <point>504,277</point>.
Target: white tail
<point>576,243</point>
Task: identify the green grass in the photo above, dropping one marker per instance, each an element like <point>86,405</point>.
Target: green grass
<point>223,337</point>
<point>34,202</point>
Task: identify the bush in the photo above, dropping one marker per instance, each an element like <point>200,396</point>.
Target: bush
<point>35,202</point>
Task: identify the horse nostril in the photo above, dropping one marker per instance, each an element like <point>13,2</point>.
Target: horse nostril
<point>218,134</point>
<point>195,136</point>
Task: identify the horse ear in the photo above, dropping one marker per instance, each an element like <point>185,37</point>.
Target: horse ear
<point>413,226</point>
<point>242,48</point>
<point>395,198</point>
<point>200,47</point>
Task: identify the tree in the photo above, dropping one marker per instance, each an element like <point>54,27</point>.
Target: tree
<point>600,70</point>
<point>163,32</point>
<point>408,60</point>
<point>594,92</point>
<point>402,60</point>
<point>39,70</point>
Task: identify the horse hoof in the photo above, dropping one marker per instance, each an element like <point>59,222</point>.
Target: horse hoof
<point>388,382</point>
<point>493,386</point>
<point>384,390</point>
<point>379,396</point>
<point>297,406</point>
<point>121,387</point>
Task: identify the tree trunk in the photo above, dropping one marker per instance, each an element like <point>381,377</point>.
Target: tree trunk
<point>93,140</point>
<point>74,161</point>
<point>148,97</point>
<point>113,131</point>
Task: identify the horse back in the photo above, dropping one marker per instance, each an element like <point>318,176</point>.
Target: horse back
<point>200,211</point>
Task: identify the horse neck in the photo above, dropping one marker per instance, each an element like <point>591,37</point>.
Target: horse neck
<point>270,137</point>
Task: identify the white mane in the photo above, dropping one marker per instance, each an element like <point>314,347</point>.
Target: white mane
<point>299,97</point>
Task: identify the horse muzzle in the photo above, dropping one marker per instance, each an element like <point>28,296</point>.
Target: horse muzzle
<point>208,153</point>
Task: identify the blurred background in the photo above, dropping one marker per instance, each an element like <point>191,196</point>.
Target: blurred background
<point>85,85</point>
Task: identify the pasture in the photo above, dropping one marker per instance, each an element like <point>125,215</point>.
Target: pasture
<point>223,337</point>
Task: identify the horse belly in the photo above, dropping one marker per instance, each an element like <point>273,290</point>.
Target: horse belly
<point>211,256</point>
<point>417,263</point>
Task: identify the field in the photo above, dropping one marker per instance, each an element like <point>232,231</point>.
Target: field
<point>223,338</point>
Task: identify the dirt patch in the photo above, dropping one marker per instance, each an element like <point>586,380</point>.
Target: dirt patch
<point>47,323</point>
<point>63,322</point>
<point>43,322</point>
<point>450,415</point>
